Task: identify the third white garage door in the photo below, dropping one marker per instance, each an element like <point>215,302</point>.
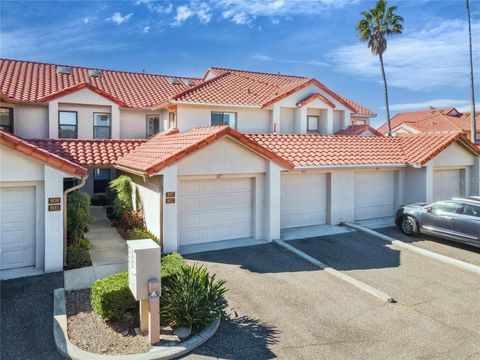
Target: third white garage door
<point>303,200</point>
<point>374,194</point>
<point>447,184</point>
<point>214,210</point>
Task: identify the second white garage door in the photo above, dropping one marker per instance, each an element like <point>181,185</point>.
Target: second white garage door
<point>214,210</point>
<point>303,200</point>
<point>374,194</point>
<point>446,184</point>
<point>17,227</point>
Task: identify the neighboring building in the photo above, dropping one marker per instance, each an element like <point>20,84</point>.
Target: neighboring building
<point>276,166</point>
<point>432,120</point>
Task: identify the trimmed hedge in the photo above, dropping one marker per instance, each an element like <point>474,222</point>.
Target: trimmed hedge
<point>78,255</point>
<point>112,298</point>
<point>122,188</point>
<point>78,215</point>
<point>139,233</point>
<point>171,265</point>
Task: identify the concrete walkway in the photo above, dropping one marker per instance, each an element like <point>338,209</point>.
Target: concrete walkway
<point>109,253</point>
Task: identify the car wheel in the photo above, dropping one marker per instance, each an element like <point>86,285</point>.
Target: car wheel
<point>409,226</point>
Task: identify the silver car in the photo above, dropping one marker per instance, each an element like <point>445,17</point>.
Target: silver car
<point>457,219</point>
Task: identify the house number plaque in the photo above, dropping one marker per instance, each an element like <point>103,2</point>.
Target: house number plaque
<point>170,194</point>
<point>54,204</point>
<point>170,197</point>
<point>170,200</point>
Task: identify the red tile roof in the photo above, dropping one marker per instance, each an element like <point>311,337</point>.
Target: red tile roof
<point>26,81</point>
<point>45,156</point>
<point>88,152</point>
<point>164,150</point>
<point>433,120</point>
<point>332,150</point>
<point>238,87</point>
<point>358,130</point>
<point>33,81</point>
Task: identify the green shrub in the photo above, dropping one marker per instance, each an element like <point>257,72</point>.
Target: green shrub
<point>122,202</point>
<point>172,264</point>
<point>139,233</point>
<point>78,215</point>
<point>192,298</point>
<point>78,254</point>
<point>111,297</point>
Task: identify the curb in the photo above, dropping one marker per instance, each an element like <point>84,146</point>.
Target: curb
<point>69,350</point>
<point>443,258</point>
<point>352,281</point>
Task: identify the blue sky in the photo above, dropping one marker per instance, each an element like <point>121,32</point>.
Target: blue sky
<point>427,65</point>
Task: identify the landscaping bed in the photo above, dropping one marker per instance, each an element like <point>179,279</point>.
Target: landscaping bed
<point>103,320</point>
<point>92,333</point>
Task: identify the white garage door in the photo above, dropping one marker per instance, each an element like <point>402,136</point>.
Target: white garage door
<point>374,194</point>
<point>214,210</point>
<point>446,184</point>
<point>17,234</point>
<point>303,200</point>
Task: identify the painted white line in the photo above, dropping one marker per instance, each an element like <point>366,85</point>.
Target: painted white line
<point>360,285</point>
<point>446,259</point>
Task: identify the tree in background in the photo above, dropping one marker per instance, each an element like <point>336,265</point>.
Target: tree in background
<point>374,28</point>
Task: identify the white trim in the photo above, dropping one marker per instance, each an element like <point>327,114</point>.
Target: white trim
<point>350,166</point>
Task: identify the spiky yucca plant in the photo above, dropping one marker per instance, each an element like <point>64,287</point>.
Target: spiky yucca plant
<point>193,298</point>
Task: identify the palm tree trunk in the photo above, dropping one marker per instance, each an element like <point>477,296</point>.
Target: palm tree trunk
<point>386,95</point>
<point>473,128</point>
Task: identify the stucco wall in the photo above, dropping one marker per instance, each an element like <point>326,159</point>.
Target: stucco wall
<point>415,185</point>
<point>287,120</point>
<point>454,155</point>
<point>133,122</point>
<point>222,157</point>
<point>29,121</point>
<point>248,119</point>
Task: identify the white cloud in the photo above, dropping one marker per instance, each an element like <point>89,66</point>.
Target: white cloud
<point>262,57</point>
<point>85,20</point>
<point>195,9</point>
<point>155,6</point>
<point>421,59</point>
<point>244,12</point>
<point>118,19</point>
<point>146,29</point>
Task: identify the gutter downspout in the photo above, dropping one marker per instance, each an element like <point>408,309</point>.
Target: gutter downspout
<point>65,196</point>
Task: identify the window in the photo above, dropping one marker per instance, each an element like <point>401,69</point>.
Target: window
<point>471,210</point>
<point>153,125</point>
<point>101,126</point>
<point>447,207</point>
<point>67,124</point>
<point>101,178</point>
<point>224,118</point>
<point>312,123</point>
<point>171,120</point>
<point>359,122</point>
<point>6,119</point>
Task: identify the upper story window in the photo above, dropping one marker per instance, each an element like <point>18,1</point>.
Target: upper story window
<point>102,126</point>
<point>224,118</point>
<point>359,122</point>
<point>313,123</point>
<point>6,119</point>
<point>153,125</point>
<point>171,120</point>
<point>67,124</point>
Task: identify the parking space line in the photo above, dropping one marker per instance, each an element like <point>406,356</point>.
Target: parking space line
<point>358,284</point>
<point>446,259</point>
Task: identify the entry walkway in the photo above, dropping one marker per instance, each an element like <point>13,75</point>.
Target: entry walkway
<point>109,253</point>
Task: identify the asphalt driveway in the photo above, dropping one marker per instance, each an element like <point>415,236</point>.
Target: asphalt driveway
<point>27,318</point>
<point>281,306</point>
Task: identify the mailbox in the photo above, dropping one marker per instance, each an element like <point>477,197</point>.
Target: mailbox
<point>143,265</point>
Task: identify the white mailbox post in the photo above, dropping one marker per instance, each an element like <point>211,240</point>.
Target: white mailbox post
<point>144,283</point>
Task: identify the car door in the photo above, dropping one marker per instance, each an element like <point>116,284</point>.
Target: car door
<point>467,223</point>
<point>439,217</point>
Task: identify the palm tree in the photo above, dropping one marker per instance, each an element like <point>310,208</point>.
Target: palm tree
<point>376,25</point>
<point>474,126</point>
